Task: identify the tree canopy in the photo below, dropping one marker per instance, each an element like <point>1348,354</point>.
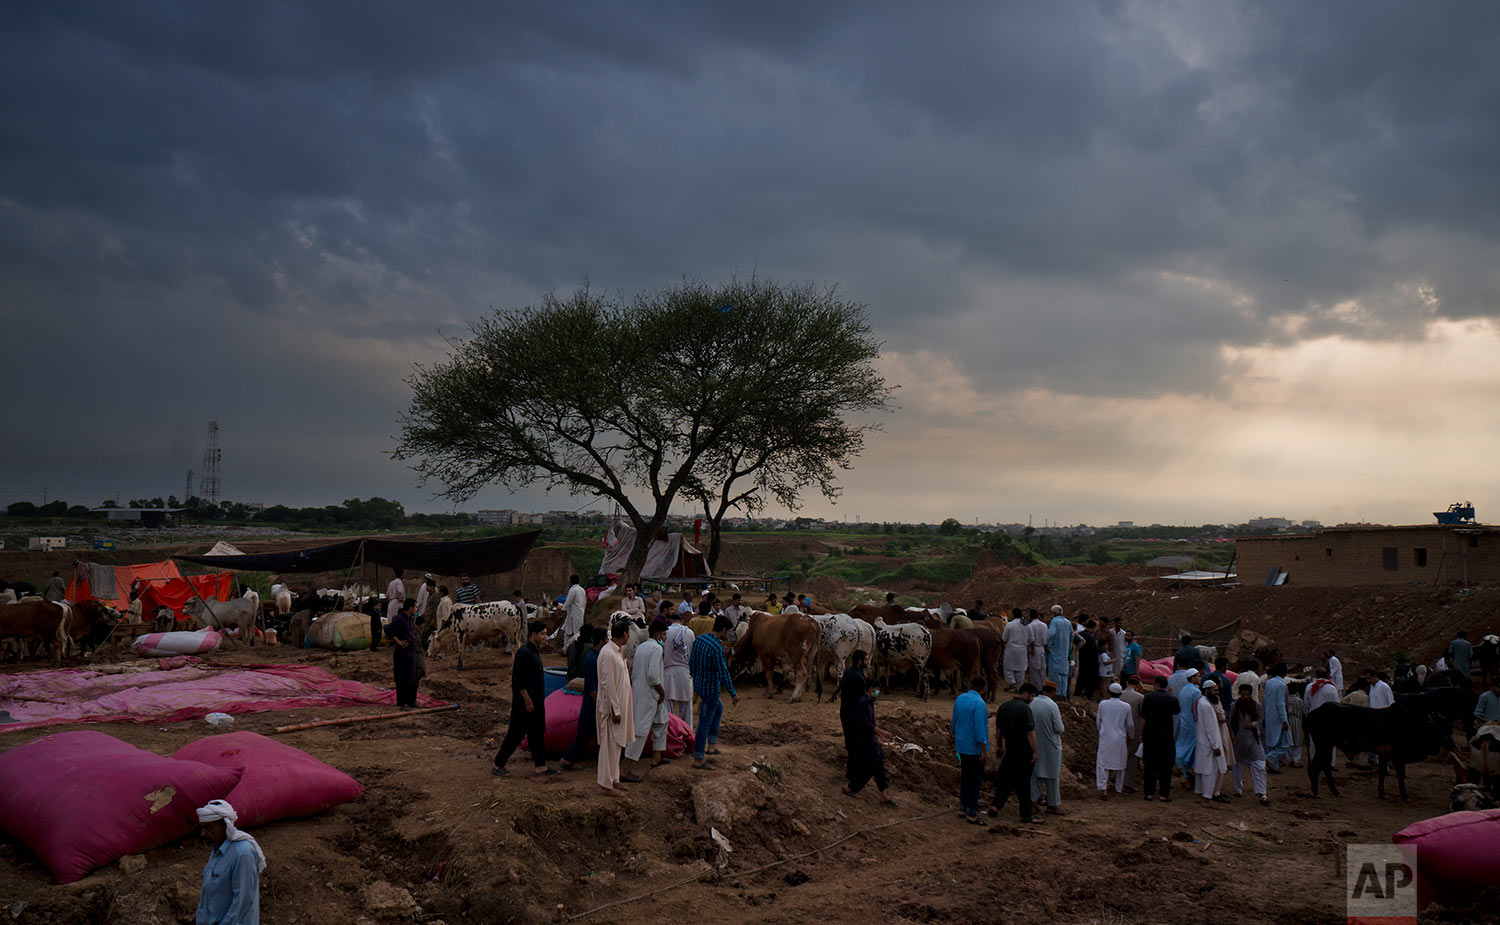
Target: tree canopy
<point>721,394</point>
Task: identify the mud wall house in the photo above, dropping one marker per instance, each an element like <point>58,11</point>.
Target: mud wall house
<point>1432,555</point>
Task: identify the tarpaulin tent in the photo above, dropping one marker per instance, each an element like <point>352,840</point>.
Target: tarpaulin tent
<point>670,555</point>
<point>222,548</point>
<point>161,585</point>
<point>488,556</point>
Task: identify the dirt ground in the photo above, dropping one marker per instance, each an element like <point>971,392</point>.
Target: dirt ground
<point>436,835</point>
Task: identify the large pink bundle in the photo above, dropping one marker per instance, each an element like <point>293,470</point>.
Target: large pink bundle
<point>156,645</point>
<point>562,726</point>
<point>562,721</point>
<point>1150,671</point>
<point>79,800</point>
<point>176,689</point>
<point>1458,856</point>
<point>279,781</point>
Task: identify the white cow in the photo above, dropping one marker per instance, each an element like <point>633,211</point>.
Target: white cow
<point>640,631</point>
<point>214,614</point>
<point>283,597</point>
<point>902,647</point>
<point>842,636</point>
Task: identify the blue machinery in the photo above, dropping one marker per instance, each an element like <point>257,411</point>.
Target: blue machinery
<point>1456,514</point>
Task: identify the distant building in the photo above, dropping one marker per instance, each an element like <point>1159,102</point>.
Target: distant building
<point>1425,554</point>
<point>1125,525</point>
<point>1269,523</point>
<point>145,516</point>
<point>496,518</point>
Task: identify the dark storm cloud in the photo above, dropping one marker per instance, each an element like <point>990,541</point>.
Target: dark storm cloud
<point>264,213</point>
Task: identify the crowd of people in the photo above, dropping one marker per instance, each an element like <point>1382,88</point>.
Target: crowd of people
<point>1216,735</point>
<point>626,709</point>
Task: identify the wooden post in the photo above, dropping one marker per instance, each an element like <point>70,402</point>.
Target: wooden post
<point>349,720</point>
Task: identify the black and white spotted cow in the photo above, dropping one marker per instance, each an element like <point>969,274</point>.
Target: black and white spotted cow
<point>842,636</point>
<point>476,624</point>
<point>902,647</point>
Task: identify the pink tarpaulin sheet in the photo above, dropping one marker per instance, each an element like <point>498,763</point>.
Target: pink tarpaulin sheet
<point>175,690</point>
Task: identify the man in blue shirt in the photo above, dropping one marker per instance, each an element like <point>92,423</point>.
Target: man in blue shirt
<point>1132,657</point>
<point>710,678</point>
<point>1461,654</point>
<point>1487,711</point>
<point>971,740</point>
<point>231,878</point>
<point>586,739</point>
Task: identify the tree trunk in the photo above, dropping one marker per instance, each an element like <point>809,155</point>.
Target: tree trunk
<point>715,543</point>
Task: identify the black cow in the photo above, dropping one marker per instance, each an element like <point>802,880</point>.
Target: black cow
<point>1487,656</point>
<point>1455,704</point>
<point>97,635</point>
<point>1448,677</point>
<point>1397,735</point>
<point>22,588</point>
<point>1407,679</point>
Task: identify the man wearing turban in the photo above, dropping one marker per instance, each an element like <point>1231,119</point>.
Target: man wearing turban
<point>231,878</point>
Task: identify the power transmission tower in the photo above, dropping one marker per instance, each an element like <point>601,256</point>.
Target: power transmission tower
<point>208,483</point>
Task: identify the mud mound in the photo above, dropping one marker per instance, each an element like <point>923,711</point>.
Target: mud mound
<point>1115,583</point>
<point>828,590</point>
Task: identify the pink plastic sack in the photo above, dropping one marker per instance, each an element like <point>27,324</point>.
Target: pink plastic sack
<point>157,645</point>
<point>1458,856</point>
<point>679,737</point>
<point>1150,671</point>
<point>562,726</point>
<point>279,781</point>
<point>79,800</point>
<point>562,721</point>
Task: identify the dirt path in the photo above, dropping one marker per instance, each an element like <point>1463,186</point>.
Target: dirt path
<point>467,847</point>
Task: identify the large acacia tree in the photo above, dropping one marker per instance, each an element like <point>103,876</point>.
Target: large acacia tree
<point>718,394</point>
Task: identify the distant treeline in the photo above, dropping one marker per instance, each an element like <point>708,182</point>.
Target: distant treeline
<point>353,514</point>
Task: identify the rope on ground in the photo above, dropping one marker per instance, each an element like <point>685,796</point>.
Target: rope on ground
<point>764,867</point>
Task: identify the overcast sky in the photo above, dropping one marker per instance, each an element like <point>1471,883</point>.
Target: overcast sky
<point>1177,262</point>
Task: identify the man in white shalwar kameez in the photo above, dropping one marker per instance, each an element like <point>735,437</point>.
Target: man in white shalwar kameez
<point>1047,772</point>
<point>614,715</point>
<point>1036,656</point>
<point>1209,761</point>
<point>1017,639</point>
<point>648,697</point>
<point>1115,719</point>
<point>573,607</point>
<point>676,651</point>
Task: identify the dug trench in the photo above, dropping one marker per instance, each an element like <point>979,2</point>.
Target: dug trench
<point>435,836</point>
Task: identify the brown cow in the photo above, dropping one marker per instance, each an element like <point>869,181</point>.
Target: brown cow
<point>774,638</point>
<point>989,656</point>
<point>890,613</point>
<point>955,653</point>
<point>57,624</point>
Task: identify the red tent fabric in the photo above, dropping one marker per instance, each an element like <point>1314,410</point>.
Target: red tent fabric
<point>161,585</point>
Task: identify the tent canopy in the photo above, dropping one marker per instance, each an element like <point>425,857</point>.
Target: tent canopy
<point>160,584</point>
<point>488,556</point>
<point>670,555</point>
<point>221,548</point>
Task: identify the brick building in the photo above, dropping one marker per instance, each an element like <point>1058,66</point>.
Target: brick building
<point>1427,554</point>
